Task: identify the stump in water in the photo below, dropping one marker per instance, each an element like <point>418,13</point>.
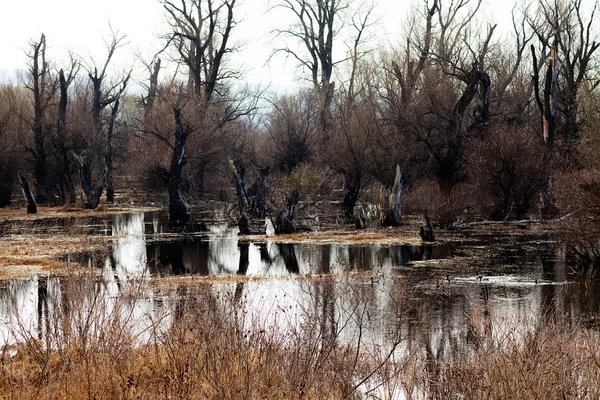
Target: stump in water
<point>29,199</point>
<point>285,219</point>
<point>426,230</point>
<point>390,213</point>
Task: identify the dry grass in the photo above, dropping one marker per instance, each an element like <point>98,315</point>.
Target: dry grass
<point>548,362</point>
<point>26,255</point>
<point>206,348</point>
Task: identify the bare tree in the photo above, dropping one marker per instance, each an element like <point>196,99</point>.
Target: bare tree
<point>43,90</point>
<point>567,39</point>
<point>103,96</point>
<point>200,34</point>
<point>62,149</point>
<point>317,24</point>
<point>566,32</point>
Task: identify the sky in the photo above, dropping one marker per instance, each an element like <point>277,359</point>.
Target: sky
<point>84,26</point>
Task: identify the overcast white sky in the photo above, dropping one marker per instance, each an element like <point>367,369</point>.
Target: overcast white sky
<point>82,25</point>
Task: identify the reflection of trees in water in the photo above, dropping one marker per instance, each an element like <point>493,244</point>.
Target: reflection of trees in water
<point>244,248</point>
<point>288,255</point>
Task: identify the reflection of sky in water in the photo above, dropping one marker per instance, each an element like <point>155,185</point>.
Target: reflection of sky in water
<point>283,301</point>
<point>216,250</point>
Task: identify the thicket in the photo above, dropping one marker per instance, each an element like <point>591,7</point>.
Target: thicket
<point>481,125</point>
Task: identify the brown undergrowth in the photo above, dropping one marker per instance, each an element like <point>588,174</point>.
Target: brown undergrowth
<point>204,347</point>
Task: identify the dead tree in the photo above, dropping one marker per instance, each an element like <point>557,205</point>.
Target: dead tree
<point>257,193</point>
<point>547,109</point>
<point>42,90</point>
<point>178,210</point>
<point>149,100</point>
<point>29,199</point>
<point>102,97</point>
<point>110,134</point>
<point>200,34</point>
<point>360,219</point>
<point>284,222</point>
<point>390,211</point>
<point>318,21</point>
<point>62,150</point>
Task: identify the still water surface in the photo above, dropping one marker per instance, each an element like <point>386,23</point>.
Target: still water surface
<point>526,283</point>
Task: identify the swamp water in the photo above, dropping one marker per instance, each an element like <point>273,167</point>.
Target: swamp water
<point>428,293</point>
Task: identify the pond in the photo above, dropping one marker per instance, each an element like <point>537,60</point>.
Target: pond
<point>428,291</point>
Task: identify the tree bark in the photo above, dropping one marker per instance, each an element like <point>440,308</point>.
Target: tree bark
<point>59,142</point>
<point>178,210</point>
<point>360,219</point>
<point>39,70</point>
<point>110,190</point>
<point>257,194</point>
<point>390,211</point>
<point>29,199</point>
<point>547,108</point>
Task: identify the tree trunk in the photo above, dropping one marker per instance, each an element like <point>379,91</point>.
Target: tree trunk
<point>92,195</point>
<point>110,191</point>
<point>38,71</point>
<point>29,199</point>
<point>351,193</point>
<point>6,184</point>
<point>178,210</point>
<point>285,219</point>
<point>152,90</point>
<point>426,230</point>
<point>390,211</point>
<point>360,219</point>
<point>60,148</point>
<point>243,204</point>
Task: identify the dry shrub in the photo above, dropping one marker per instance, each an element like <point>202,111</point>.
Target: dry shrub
<point>546,362</point>
<point>508,170</point>
<point>445,208</point>
<point>578,194</point>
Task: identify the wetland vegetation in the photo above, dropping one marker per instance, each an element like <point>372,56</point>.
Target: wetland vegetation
<point>421,221</point>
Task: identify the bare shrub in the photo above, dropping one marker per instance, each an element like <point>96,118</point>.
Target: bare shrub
<point>445,208</point>
<point>508,171</point>
<point>547,362</point>
<point>579,194</point>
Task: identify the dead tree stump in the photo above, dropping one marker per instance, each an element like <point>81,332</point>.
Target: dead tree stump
<point>390,212</point>
<point>426,230</point>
